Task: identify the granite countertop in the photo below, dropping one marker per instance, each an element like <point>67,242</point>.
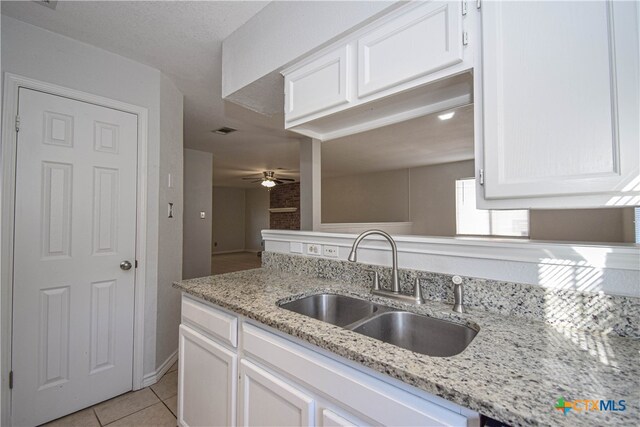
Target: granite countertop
<point>514,370</point>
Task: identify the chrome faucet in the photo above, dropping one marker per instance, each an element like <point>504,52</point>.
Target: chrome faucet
<point>395,282</point>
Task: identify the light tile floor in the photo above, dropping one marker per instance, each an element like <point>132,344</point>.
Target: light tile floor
<point>227,263</point>
<point>152,406</point>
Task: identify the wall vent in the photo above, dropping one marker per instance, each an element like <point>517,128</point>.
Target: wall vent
<point>224,130</point>
<point>51,4</point>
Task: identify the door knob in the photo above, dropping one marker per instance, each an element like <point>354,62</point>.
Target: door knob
<point>125,265</point>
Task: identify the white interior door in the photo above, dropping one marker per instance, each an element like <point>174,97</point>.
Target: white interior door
<point>75,222</point>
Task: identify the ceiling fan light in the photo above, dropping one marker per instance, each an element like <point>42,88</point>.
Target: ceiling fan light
<point>268,183</point>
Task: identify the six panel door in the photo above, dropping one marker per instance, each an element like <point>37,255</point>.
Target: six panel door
<point>75,222</point>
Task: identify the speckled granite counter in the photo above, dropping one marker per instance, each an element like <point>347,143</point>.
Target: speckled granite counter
<point>514,370</point>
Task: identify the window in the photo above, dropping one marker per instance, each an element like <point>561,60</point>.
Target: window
<point>472,221</point>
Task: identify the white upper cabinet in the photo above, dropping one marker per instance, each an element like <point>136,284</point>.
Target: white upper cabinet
<point>367,75</point>
<point>423,40</point>
<point>557,105</point>
<point>319,85</point>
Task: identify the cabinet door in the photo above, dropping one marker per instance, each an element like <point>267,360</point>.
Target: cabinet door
<point>318,85</point>
<point>328,418</point>
<point>425,39</point>
<point>269,401</point>
<point>560,102</point>
<point>207,379</point>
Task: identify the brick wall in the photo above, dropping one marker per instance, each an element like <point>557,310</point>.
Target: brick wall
<point>285,196</point>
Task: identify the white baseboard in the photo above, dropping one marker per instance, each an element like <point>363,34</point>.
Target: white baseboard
<point>153,377</point>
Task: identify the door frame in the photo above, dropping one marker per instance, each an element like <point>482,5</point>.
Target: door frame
<point>12,83</point>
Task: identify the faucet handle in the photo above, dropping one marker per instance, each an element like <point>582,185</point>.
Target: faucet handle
<point>376,279</point>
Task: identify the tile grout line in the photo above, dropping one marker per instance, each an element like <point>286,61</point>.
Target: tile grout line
<point>163,402</point>
<point>139,410</point>
<point>95,414</point>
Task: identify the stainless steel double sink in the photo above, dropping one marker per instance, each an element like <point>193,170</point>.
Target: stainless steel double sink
<point>415,332</point>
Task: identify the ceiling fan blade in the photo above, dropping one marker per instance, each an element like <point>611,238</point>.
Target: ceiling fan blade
<point>287,179</point>
<point>277,181</point>
<point>251,177</point>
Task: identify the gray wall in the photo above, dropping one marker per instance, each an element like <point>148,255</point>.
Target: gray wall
<point>430,194</point>
<point>373,197</point>
<point>170,236</point>
<point>198,174</point>
<point>433,197</point>
<point>228,219</point>
<point>256,217</point>
<point>33,52</point>
<point>581,225</point>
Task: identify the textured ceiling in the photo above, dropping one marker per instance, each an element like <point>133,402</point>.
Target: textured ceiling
<point>183,39</point>
<point>418,142</point>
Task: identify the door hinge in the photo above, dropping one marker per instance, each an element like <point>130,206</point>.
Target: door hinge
<point>17,123</point>
<point>464,7</point>
<point>10,379</point>
<point>465,38</point>
<point>136,264</point>
<point>478,4</point>
<point>481,176</point>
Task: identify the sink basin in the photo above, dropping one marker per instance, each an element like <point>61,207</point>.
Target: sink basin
<point>338,310</point>
<point>422,334</point>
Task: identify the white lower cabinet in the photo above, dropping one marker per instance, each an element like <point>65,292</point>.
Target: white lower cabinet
<point>328,418</point>
<point>283,383</point>
<point>268,401</point>
<point>207,380</point>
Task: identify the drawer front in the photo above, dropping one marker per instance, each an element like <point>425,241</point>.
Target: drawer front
<point>319,85</point>
<point>425,39</point>
<point>215,322</point>
<point>360,393</point>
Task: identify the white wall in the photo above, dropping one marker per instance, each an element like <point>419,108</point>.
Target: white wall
<point>170,229</point>
<point>228,219</point>
<point>256,217</point>
<point>198,174</point>
<point>39,54</point>
<point>281,33</point>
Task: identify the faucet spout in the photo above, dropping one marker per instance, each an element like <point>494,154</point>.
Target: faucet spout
<point>395,282</point>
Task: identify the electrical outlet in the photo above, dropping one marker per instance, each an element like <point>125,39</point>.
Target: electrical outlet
<point>330,251</point>
<point>313,249</point>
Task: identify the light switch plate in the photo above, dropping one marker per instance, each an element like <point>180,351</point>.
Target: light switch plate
<point>295,247</point>
<point>202,215</point>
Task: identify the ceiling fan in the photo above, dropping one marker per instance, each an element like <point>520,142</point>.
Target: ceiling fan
<point>269,180</point>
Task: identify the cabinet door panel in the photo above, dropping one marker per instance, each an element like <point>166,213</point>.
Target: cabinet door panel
<point>319,85</point>
<point>269,401</point>
<point>558,87</point>
<point>329,418</point>
<point>425,39</point>
<point>207,379</point>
